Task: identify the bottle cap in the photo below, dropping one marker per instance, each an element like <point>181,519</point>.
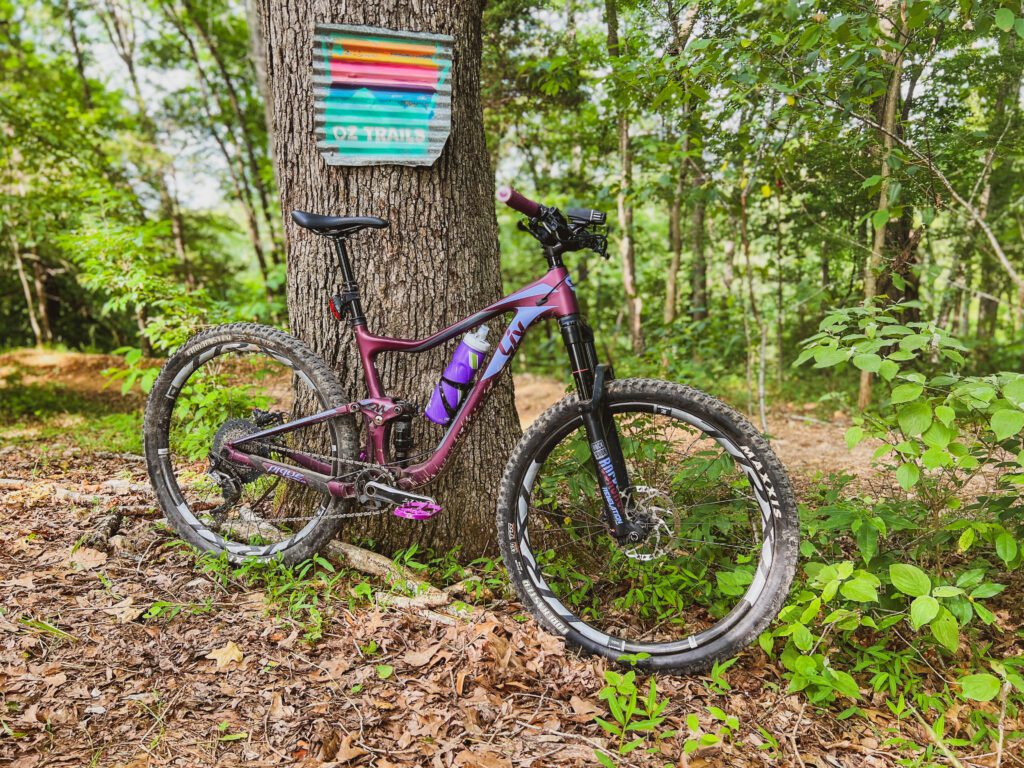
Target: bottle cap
<point>478,339</point>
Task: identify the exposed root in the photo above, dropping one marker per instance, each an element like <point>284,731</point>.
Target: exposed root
<point>108,526</point>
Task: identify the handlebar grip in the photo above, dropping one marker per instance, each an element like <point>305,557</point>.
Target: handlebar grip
<point>518,202</point>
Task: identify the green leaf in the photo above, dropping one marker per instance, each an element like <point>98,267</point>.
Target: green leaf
<point>826,357</point>
<point>604,760</point>
<point>965,541</point>
<point>868,362</point>
<point>909,579</point>
<point>922,610</point>
<point>904,393</point>
<point>946,590</point>
<point>384,671</point>
<point>983,687</point>
<point>871,181</point>
<point>1014,391</point>
<point>1007,422</point>
<point>945,414</point>
<point>934,458</point>
<point>988,589</point>
<point>1019,26</point>
<point>1005,19</point>
<point>907,476</point>
<point>915,418</point>
<point>859,590</point>
<point>888,370</point>
<point>879,218</point>
<point>946,631</point>
<point>842,682</point>
<point>853,436</point>
<point>802,637</point>
<point>1006,547</point>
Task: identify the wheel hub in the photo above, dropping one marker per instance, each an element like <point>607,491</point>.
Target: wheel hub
<point>650,508</point>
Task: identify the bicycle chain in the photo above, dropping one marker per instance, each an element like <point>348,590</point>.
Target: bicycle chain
<point>365,466</point>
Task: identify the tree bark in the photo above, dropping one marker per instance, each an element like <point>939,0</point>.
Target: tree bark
<point>699,268</point>
<point>624,206</point>
<point>682,27</point>
<point>887,121</point>
<point>436,264</point>
<point>675,241</point>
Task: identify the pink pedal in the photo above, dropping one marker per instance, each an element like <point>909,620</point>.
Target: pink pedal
<point>417,510</point>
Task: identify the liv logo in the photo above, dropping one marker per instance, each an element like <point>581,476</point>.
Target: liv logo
<point>511,339</point>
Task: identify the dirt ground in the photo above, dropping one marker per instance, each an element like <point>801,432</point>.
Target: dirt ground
<point>87,680</point>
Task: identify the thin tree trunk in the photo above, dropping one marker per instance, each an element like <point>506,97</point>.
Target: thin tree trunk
<point>39,283</point>
<point>244,137</point>
<point>634,303</point>
<point>675,240</point>
<point>19,266</point>
<point>682,27</point>
<point>236,167</point>
<point>888,122</point>
<point>258,58</point>
<point>699,268</point>
<point>119,24</point>
<point>436,264</point>
<point>76,49</point>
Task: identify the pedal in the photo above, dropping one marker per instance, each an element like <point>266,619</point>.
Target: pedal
<point>411,506</point>
<point>417,510</point>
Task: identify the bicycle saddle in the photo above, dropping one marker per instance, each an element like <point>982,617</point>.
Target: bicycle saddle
<point>336,226</point>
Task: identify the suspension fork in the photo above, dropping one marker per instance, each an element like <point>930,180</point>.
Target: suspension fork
<point>602,435</point>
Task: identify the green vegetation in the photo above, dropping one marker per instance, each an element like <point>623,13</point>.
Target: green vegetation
<point>814,203</point>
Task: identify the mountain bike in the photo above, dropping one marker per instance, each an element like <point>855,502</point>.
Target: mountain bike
<point>635,517</point>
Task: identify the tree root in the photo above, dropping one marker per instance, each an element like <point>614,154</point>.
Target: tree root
<point>108,526</point>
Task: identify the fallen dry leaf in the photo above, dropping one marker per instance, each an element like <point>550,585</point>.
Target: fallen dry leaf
<point>346,751</point>
<point>125,611</point>
<point>227,654</point>
<point>86,559</point>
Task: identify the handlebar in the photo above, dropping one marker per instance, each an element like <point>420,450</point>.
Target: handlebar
<point>518,202</point>
<point>569,231</point>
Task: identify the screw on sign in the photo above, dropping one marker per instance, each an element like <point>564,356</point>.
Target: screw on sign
<point>382,96</point>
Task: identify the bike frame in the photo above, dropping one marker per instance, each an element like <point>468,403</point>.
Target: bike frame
<point>552,296</point>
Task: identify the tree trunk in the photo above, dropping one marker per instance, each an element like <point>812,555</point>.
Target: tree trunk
<point>675,240</point>
<point>699,268</point>
<point>887,121</point>
<point>681,26</point>
<point>39,281</point>
<point>436,264</point>
<point>19,266</point>
<point>634,303</point>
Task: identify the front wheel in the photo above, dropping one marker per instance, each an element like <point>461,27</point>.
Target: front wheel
<point>721,528</point>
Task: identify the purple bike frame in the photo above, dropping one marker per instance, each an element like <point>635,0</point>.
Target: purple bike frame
<point>552,296</point>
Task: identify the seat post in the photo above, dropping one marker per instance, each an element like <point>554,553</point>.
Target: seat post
<point>350,295</point>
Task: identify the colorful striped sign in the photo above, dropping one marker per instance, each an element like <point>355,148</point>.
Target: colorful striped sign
<point>382,96</point>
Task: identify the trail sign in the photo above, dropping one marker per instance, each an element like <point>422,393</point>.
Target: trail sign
<point>382,96</point>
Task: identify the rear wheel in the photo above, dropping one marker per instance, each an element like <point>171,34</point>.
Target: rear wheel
<point>721,529</point>
<point>222,385</point>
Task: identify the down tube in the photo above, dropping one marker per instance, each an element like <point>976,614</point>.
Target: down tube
<point>421,474</point>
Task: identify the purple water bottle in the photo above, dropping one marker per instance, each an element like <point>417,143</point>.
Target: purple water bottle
<point>457,376</point>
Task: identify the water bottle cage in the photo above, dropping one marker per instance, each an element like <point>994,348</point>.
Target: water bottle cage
<point>450,409</point>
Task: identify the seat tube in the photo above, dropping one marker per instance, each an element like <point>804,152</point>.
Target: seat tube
<point>351,288</point>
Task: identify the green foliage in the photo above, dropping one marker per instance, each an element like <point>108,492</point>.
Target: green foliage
<point>635,720</point>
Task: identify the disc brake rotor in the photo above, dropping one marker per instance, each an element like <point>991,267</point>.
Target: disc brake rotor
<point>650,508</point>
